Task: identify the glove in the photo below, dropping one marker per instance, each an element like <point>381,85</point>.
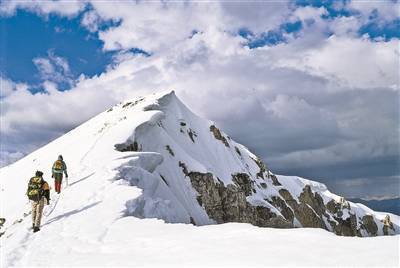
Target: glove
<point>48,201</point>
<point>52,175</point>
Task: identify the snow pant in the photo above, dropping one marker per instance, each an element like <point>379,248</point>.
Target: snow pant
<point>57,181</point>
<point>37,209</point>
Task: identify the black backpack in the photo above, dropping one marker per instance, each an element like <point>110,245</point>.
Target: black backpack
<point>35,190</point>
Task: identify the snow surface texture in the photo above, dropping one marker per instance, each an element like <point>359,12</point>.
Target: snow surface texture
<point>124,167</point>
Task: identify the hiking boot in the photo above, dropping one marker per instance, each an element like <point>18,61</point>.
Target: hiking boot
<point>36,229</point>
<point>33,226</point>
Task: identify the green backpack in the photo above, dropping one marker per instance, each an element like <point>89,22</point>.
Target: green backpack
<point>35,191</point>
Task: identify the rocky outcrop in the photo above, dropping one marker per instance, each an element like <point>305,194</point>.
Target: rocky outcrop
<point>169,149</point>
<point>228,203</point>
<point>334,208</point>
<point>131,104</point>
<point>218,135</point>
<point>261,166</point>
<point>286,211</point>
<point>387,225</point>
<point>2,221</point>
<point>265,171</point>
<point>238,151</point>
<point>128,147</point>
<point>192,134</point>
<point>275,180</point>
<point>244,182</point>
<point>304,211</point>
<point>368,224</point>
<point>311,212</point>
<point>346,227</point>
<point>314,200</point>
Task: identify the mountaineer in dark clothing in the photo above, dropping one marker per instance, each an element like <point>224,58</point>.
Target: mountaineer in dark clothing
<point>59,167</point>
<point>39,194</point>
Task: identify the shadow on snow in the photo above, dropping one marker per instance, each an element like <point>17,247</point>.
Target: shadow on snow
<point>84,178</point>
<point>70,213</point>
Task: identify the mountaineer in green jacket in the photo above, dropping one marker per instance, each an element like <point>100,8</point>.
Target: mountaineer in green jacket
<point>39,194</point>
<point>59,167</point>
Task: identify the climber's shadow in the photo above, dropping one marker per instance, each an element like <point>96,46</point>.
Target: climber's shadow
<point>70,213</point>
<point>84,178</point>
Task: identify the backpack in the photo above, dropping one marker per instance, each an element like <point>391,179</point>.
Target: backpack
<point>35,190</point>
<point>58,165</point>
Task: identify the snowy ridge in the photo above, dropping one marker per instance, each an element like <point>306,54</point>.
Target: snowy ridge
<point>143,158</point>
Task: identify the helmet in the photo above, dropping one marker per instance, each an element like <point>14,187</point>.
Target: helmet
<point>39,174</point>
<point>60,157</point>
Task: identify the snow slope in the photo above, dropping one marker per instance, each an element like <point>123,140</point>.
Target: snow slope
<point>126,165</point>
<point>133,242</point>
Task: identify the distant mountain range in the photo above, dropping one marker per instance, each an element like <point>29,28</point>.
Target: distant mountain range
<point>387,205</point>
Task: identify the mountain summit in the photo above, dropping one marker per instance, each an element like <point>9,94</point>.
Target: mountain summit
<point>152,157</point>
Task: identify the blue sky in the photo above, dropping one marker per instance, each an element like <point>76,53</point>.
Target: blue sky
<point>27,35</point>
<point>306,68</point>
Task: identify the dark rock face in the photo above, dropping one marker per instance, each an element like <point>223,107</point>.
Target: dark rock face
<point>311,212</point>
<point>312,199</point>
<point>192,134</point>
<point>368,223</point>
<point>243,181</point>
<point>284,209</point>
<point>347,227</point>
<point>132,103</point>
<point>334,208</point>
<point>238,151</point>
<point>275,180</point>
<point>170,151</point>
<point>262,167</point>
<point>218,135</point>
<point>184,168</point>
<point>227,203</point>
<point>308,217</point>
<point>304,211</point>
<point>126,104</point>
<point>286,195</point>
<point>131,147</point>
<point>264,170</point>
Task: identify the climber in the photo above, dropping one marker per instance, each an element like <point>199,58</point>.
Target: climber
<point>39,194</point>
<point>59,167</point>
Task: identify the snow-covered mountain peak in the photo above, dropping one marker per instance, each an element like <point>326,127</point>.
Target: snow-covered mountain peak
<point>151,157</point>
